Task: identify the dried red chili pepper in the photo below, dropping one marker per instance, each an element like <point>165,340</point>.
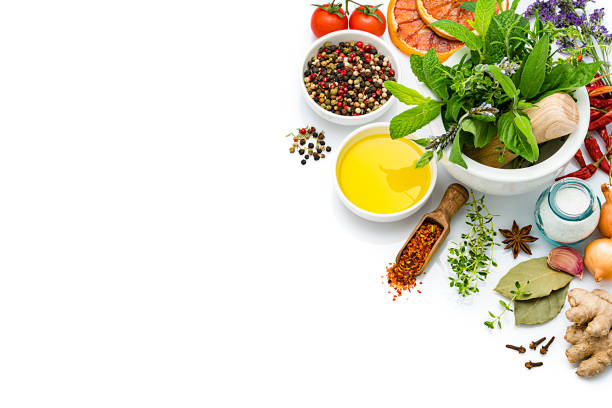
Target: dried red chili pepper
<point>601,122</point>
<point>583,173</point>
<point>603,133</point>
<point>580,158</point>
<point>596,154</point>
<point>601,103</point>
<point>402,275</point>
<point>594,115</point>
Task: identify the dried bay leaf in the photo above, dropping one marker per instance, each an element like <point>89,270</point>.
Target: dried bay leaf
<point>542,279</point>
<point>540,310</point>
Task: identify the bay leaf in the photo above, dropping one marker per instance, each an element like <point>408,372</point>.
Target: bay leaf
<point>542,279</point>
<point>540,310</point>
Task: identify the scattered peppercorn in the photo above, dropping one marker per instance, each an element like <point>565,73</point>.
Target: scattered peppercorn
<point>308,142</point>
<point>348,79</point>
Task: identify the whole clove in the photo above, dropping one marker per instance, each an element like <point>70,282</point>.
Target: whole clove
<point>544,349</point>
<point>530,364</point>
<point>520,349</point>
<point>534,344</point>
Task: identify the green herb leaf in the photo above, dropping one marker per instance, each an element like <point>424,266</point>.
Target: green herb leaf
<point>512,138</point>
<point>453,108</point>
<point>413,119</point>
<point>534,70</point>
<point>416,64</point>
<point>424,159</point>
<point>525,105</point>
<point>483,13</point>
<point>456,155</point>
<point>469,6</point>
<point>483,132</point>
<point>567,77</point>
<point>504,80</point>
<point>522,122</point>
<point>433,73</point>
<point>542,279</point>
<point>404,94</point>
<point>506,37</point>
<point>422,142</point>
<point>460,32</point>
<point>542,309</point>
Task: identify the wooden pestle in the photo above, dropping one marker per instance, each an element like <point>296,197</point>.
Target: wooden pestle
<point>554,117</point>
<point>455,196</point>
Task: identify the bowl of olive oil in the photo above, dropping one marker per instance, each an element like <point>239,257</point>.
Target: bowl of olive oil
<point>377,178</point>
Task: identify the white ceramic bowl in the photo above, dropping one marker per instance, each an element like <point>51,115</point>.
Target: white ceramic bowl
<point>494,181</point>
<point>360,133</point>
<point>350,35</point>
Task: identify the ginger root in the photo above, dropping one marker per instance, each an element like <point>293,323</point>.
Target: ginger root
<point>591,335</point>
<point>592,308</point>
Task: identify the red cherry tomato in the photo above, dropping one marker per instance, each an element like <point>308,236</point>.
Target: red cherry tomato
<point>328,18</point>
<point>368,18</point>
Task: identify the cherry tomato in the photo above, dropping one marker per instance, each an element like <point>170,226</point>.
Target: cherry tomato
<point>328,18</point>
<point>368,18</point>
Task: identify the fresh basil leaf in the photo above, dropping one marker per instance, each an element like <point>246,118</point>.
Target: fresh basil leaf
<point>469,6</point>
<point>422,142</point>
<point>522,122</point>
<point>460,32</point>
<point>567,77</point>
<point>511,137</point>
<point>416,64</point>
<point>456,156</point>
<point>483,132</point>
<point>453,108</point>
<point>534,71</point>
<point>424,159</point>
<point>483,13</point>
<point>525,105</point>
<point>433,73</point>
<point>413,119</point>
<point>507,36</point>
<point>405,95</point>
<point>504,80</point>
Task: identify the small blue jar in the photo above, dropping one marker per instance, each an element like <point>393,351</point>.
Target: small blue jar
<point>567,212</point>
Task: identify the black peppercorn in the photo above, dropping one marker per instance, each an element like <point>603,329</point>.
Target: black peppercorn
<point>303,161</point>
<point>310,145</point>
<point>302,142</point>
<point>328,149</point>
<point>322,142</point>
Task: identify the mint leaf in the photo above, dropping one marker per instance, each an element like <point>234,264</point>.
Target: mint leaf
<point>453,108</point>
<point>416,64</point>
<point>469,6</point>
<point>433,73</point>
<point>413,119</point>
<point>504,80</point>
<point>422,142</point>
<point>405,95</point>
<point>534,70</point>
<point>485,9</point>
<point>459,32</point>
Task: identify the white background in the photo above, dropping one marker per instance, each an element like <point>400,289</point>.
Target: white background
<point>159,247</point>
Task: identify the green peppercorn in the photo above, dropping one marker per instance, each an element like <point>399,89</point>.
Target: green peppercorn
<point>292,150</point>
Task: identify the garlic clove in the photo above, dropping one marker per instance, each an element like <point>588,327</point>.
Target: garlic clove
<point>566,259</point>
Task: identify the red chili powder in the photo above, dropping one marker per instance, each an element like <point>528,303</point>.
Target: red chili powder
<point>402,276</point>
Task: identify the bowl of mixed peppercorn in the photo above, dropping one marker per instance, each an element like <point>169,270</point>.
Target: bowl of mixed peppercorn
<point>343,77</point>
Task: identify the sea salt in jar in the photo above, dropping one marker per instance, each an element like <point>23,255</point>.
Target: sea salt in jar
<point>567,212</point>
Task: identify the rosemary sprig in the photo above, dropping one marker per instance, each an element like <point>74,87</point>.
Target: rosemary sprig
<point>516,295</point>
<point>472,259</point>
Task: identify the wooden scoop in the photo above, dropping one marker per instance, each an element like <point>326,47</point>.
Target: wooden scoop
<point>455,196</point>
<point>555,116</point>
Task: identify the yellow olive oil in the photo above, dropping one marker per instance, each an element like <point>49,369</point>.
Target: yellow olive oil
<point>378,174</point>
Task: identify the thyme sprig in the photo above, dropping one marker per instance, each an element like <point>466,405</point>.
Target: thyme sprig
<point>471,259</point>
<point>516,295</point>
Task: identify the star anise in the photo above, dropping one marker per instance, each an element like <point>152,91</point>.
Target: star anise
<point>517,239</point>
